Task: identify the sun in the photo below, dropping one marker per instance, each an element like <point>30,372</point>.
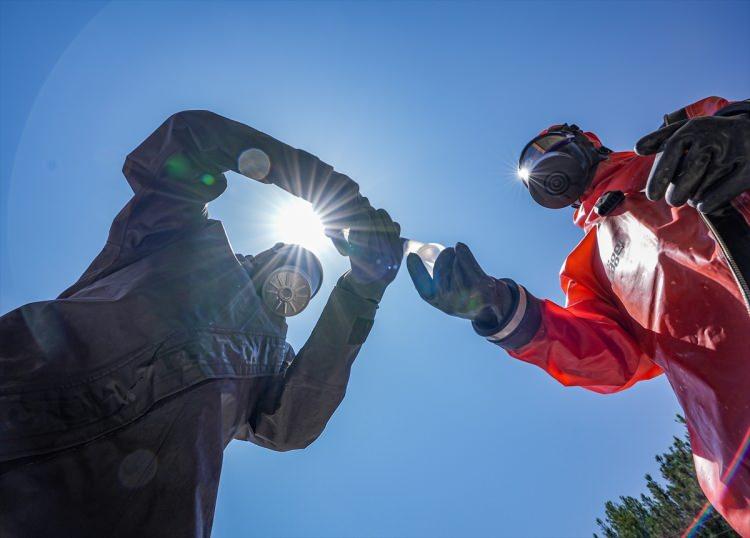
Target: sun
<point>297,223</point>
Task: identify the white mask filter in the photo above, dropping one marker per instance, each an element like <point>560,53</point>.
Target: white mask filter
<point>287,291</point>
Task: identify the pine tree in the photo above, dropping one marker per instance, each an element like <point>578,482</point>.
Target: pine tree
<point>667,510</point>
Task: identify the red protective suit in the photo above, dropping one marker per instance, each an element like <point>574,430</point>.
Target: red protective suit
<point>650,290</point>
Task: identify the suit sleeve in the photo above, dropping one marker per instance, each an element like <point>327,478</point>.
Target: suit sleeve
<point>194,143</point>
<point>180,167</point>
<point>587,342</point>
<point>707,106</point>
<point>295,410</point>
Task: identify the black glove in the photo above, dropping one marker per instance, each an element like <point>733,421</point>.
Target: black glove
<point>340,215</point>
<point>459,287</point>
<point>705,161</point>
<point>375,250</point>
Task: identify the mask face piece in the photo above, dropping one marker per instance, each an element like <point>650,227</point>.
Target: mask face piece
<point>557,180</point>
<point>558,166</point>
<point>286,277</point>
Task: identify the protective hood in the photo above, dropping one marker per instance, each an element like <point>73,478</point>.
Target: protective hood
<point>593,138</point>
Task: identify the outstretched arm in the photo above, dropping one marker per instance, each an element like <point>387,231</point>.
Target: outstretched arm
<point>585,343</point>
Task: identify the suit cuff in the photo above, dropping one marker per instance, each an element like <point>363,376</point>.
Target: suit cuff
<point>520,325</point>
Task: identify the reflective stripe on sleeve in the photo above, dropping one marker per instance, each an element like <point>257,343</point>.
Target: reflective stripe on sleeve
<point>515,321</point>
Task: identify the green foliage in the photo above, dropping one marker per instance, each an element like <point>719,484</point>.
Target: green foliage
<point>666,510</point>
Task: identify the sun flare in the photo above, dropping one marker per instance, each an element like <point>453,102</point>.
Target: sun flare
<point>297,223</point>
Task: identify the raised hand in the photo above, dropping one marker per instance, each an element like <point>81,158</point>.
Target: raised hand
<point>375,250</point>
<point>705,161</point>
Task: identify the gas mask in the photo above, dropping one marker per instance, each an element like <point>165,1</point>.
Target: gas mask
<point>558,166</point>
<point>286,277</point>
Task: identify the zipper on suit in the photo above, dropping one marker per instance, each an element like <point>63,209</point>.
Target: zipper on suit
<point>733,267</point>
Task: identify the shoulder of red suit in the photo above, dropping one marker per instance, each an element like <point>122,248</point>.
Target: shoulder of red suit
<point>623,171</point>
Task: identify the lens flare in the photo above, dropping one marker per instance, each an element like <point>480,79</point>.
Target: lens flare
<point>707,510</point>
<point>296,223</point>
<point>523,173</point>
<point>254,163</point>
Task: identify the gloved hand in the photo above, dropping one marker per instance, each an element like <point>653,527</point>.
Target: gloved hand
<point>341,215</point>
<point>459,287</point>
<point>375,251</point>
<point>705,161</point>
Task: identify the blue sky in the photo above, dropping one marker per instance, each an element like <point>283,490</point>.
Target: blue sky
<point>426,105</point>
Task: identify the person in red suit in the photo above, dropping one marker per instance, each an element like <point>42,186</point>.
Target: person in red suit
<point>658,284</point>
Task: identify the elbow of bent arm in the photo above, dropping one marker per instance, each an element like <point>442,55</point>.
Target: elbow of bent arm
<point>297,423</point>
<point>286,441</point>
<point>203,125</point>
<point>189,116</point>
<point>602,373</point>
<point>166,138</point>
<point>608,379</point>
<point>294,443</point>
<point>180,157</point>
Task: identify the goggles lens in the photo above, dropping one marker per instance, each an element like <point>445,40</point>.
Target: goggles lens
<point>540,145</point>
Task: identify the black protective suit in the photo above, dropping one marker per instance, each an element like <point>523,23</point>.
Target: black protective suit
<point>118,398</point>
